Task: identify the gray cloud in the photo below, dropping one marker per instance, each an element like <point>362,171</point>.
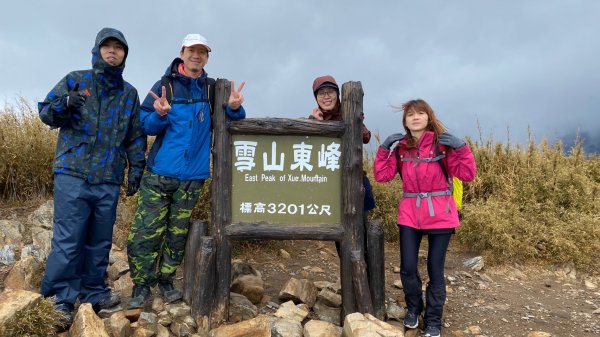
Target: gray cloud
<point>508,64</point>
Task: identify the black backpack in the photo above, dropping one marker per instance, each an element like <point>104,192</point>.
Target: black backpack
<point>209,87</point>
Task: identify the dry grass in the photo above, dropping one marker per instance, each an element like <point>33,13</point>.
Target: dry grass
<point>40,320</point>
<point>528,203</point>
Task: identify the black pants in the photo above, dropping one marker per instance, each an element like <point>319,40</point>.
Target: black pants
<point>410,240</point>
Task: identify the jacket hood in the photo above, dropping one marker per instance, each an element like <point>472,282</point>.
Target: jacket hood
<point>109,76</point>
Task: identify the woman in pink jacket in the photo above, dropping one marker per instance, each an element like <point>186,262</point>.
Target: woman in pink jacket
<point>426,206</point>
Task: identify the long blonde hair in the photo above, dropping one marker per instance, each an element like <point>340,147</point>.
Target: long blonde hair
<point>434,123</point>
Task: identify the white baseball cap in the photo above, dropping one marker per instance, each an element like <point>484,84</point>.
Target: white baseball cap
<point>194,39</point>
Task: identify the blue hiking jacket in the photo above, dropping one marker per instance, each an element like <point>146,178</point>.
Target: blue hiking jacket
<point>182,146</point>
<point>98,140</point>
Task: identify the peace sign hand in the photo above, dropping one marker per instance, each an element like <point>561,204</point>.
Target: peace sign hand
<point>235,97</point>
<point>161,105</point>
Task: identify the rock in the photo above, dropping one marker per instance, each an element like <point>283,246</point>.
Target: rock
<point>118,269</point>
<point>256,327</point>
<point>11,232</point>
<point>148,320</point>
<point>123,285</point>
<point>289,310</point>
<point>590,284</point>
<point>330,298</point>
<point>133,314</point>
<point>299,291</point>
<point>24,274</point>
<point>284,254</point>
<point>474,330</point>
<point>247,281</point>
<point>314,328</point>
<point>323,285</point>
<point>357,324</point>
<point>41,221</point>
<point>398,284</point>
<point>284,327</point>
<point>327,313</point>
<point>396,270</point>
<point>182,329</point>
<point>116,254</point>
<point>475,263</point>
<point>162,331</point>
<point>119,325</point>
<point>87,324</point>
<point>395,312</point>
<point>32,250</point>
<point>538,334</point>
<point>164,318</point>
<point>13,302</point>
<point>240,308</point>
<point>158,304</point>
<point>178,310</point>
<point>143,332</point>
<point>8,254</point>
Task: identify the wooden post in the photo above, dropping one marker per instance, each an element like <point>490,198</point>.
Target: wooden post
<point>221,203</point>
<point>360,282</point>
<point>197,229</point>
<point>204,291</point>
<point>376,270</point>
<point>352,190</point>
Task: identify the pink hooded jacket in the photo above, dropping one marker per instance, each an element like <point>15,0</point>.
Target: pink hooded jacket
<point>418,177</point>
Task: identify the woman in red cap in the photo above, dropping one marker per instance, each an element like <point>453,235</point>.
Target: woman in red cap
<point>327,94</point>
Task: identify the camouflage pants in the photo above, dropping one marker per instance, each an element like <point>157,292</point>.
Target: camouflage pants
<point>160,227</point>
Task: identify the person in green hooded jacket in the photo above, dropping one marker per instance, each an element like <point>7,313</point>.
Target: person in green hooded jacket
<point>97,114</point>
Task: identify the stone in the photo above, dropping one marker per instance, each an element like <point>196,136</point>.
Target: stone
<point>8,254</point>
<point>123,285</point>
<point>133,314</point>
<point>327,313</point>
<point>475,263</point>
<point>23,275</point>
<point>357,324</point>
<point>240,308</point>
<point>396,270</point>
<point>162,331</point>
<point>289,310</point>
<point>284,254</point>
<point>32,250</point>
<point>538,334</point>
<point>256,327</point>
<point>298,291</point>
<point>143,332</point>
<point>41,221</point>
<point>247,281</point>
<point>395,312</point>
<point>148,320</point>
<point>474,329</point>
<point>164,318</point>
<point>118,269</point>
<point>87,324</point>
<point>158,304</point>
<point>315,328</point>
<point>11,232</point>
<point>177,310</point>
<point>330,298</point>
<point>118,325</point>
<point>398,284</point>
<point>116,254</point>
<point>181,329</point>
<point>285,327</point>
<point>14,301</point>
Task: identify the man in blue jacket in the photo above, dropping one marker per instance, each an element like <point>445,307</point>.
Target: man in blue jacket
<point>178,112</point>
<point>98,116</point>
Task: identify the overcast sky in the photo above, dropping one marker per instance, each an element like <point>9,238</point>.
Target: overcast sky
<point>507,64</point>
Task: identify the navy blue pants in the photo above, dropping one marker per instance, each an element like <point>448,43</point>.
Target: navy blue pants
<point>410,240</point>
<point>84,215</point>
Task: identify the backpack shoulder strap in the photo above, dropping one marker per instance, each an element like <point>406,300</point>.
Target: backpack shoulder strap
<point>442,150</point>
<point>399,152</point>
<point>210,86</point>
<point>167,82</point>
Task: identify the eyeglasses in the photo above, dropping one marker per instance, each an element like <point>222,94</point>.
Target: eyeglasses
<point>328,92</point>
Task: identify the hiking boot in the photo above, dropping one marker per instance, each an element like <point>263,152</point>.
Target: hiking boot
<point>411,320</point>
<point>170,293</point>
<point>108,302</point>
<point>66,318</point>
<point>139,296</point>
<point>432,331</point>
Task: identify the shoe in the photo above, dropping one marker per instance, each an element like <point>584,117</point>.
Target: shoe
<point>108,302</point>
<point>139,296</point>
<point>411,320</point>
<point>66,318</point>
<point>431,331</point>
<point>170,293</point>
